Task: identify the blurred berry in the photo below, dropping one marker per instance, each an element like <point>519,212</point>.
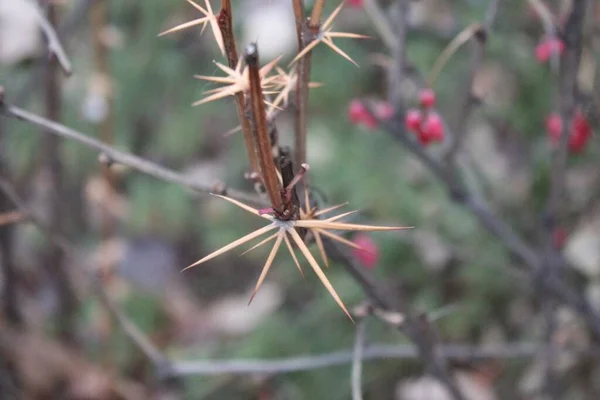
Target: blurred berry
<point>355,3</point>
<point>434,127</point>
<point>547,48</point>
<point>413,119</point>
<point>427,98</point>
<point>384,110</point>
<point>368,256</point>
<point>356,111</point>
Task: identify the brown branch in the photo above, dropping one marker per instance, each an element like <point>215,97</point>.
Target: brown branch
<point>225,21</point>
<point>305,34</point>
<point>55,260</point>
<point>261,130</point>
<point>317,13</point>
<point>121,157</point>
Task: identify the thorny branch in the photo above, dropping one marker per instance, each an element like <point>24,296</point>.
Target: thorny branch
<point>305,36</point>
<point>225,21</point>
<point>121,157</point>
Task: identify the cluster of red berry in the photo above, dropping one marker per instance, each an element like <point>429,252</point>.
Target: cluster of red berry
<point>579,134</point>
<point>425,123</point>
<point>360,115</point>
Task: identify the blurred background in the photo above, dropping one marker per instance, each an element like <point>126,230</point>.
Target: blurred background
<point>134,90</point>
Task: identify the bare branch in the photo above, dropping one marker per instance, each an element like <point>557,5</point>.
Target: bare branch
<point>55,48</point>
<point>120,157</point>
<point>480,34</point>
<point>372,352</point>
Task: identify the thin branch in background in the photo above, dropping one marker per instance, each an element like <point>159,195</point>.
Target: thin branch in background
<point>260,130</point>
<point>127,159</point>
<point>381,23</point>
<point>141,341</point>
<point>225,21</point>
<point>55,48</point>
<point>357,359</point>
<point>396,73</point>
<point>568,93</point>
<point>481,33</point>
<point>55,260</point>
<point>516,245</point>
<point>371,352</point>
<point>76,16</point>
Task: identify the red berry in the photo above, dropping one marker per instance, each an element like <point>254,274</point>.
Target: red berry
<point>368,254</point>
<point>357,111</point>
<point>579,134</point>
<point>559,237</point>
<point>384,110</point>
<point>412,120</point>
<point>547,48</point>
<point>427,98</point>
<point>554,126</point>
<point>434,127</point>
<point>423,136</point>
<point>355,3</point>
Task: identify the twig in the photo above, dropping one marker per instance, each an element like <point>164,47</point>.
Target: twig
<point>55,47</point>
<point>381,23</point>
<point>120,157</point>
<point>225,21</point>
<point>72,20</point>
<point>481,34</point>
<point>357,359</point>
<point>371,352</point>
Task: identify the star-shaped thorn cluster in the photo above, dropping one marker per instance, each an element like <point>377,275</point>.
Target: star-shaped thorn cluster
<point>286,232</point>
<point>209,17</point>
<point>326,35</point>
